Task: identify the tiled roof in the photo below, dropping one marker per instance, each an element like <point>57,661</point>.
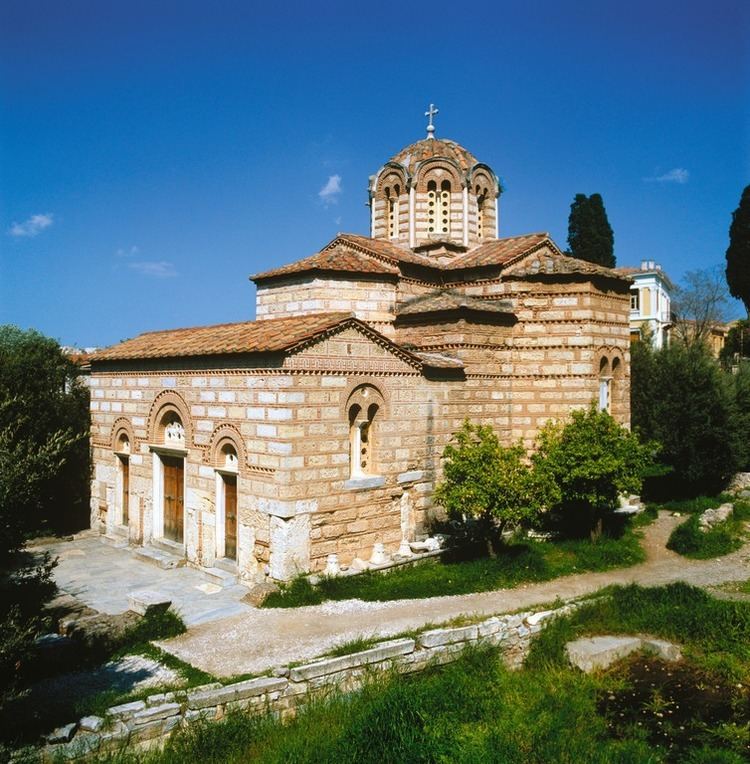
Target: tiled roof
<point>569,265</point>
<point>448,299</point>
<point>499,251</point>
<point>336,258</point>
<point>268,336</point>
<point>428,148</point>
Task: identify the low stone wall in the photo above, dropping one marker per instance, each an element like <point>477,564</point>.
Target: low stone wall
<point>148,723</point>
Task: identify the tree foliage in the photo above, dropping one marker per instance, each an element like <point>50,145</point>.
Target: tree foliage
<point>490,483</point>
<point>593,460</point>
<point>738,252</point>
<point>44,452</point>
<point>736,344</point>
<point>681,398</point>
<point>590,236</point>
<point>699,305</point>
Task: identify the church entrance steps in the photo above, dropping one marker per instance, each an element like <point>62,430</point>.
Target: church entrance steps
<point>161,558</point>
<point>219,576</point>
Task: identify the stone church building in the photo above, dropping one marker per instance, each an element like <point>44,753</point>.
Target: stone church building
<point>262,447</point>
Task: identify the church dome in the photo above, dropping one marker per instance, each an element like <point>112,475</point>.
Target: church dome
<point>429,148</point>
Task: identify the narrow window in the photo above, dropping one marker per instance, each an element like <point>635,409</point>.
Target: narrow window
<point>361,440</point>
<point>445,206</point>
<point>391,197</point>
<point>480,212</point>
<point>605,386</point>
<point>635,299</point>
<point>431,204</point>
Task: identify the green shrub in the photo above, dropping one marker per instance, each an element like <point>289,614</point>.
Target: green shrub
<point>681,398</point>
<point>689,540</point>
<point>592,460</point>
<point>490,483</point>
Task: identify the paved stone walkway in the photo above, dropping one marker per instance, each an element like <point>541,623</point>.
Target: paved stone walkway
<point>101,576</point>
<point>261,639</point>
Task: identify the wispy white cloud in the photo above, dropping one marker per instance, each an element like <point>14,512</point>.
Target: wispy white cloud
<point>160,269</point>
<point>330,192</point>
<point>676,175</point>
<point>127,252</point>
<point>33,226</point>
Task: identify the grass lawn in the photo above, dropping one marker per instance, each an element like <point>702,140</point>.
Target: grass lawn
<point>519,562</point>
<point>476,711</point>
<point>689,540</point>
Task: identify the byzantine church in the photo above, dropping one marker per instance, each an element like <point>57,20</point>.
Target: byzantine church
<point>260,449</point>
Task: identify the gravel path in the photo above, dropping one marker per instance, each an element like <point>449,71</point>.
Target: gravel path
<point>261,639</point>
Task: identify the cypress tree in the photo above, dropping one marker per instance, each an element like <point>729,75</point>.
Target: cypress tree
<point>590,235</point>
<point>738,252</point>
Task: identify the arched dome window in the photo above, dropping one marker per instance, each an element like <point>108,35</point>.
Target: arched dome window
<point>391,198</point>
<point>438,205</point>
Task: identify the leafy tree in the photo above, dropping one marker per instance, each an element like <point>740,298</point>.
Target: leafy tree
<point>737,343</point>
<point>44,452</point>
<point>590,235</point>
<point>738,252</point>
<point>490,483</point>
<point>682,399</point>
<point>592,459</point>
<point>699,305</point>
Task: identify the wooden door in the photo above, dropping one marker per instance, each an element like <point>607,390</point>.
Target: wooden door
<point>230,517</point>
<point>125,498</point>
<point>173,498</point>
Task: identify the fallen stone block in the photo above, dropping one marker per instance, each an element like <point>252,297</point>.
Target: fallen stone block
<point>259,593</point>
<point>667,651</point>
<point>383,651</point>
<point>600,652</point>
<point>62,734</point>
<point>148,602</point>
<point>536,618</point>
<point>91,723</point>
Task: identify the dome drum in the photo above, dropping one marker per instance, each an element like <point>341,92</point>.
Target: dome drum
<point>434,191</point>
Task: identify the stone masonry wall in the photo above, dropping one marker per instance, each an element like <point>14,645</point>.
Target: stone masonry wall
<point>149,723</point>
<point>370,300</point>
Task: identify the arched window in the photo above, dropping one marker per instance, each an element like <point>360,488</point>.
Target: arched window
<point>438,205</point>
<point>616,384</point>
<point>391,198</point>
<point>605,386</point>
<point>363,408</point>
<point>123,479</point>
<point>481,210</point>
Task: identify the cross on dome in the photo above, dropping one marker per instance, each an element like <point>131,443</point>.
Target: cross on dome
<point>431,112</point>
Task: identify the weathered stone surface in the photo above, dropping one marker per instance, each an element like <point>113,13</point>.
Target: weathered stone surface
<point>62,734</point>
<point>437,637</point>
<point>489,627</point>
<point>126,710</point>
<point>159,698</point>
<point>148,602</point>
<point>712,517</point>
<point>155,712</point>
<point>667,651</point>
<point>91,723</point>
<point>536,618</point>
<point>599,652</point>
<point>233,692</point>
<point>259,593</point>
<point>382,652</point>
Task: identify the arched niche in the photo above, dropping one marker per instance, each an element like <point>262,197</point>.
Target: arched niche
<point>169,421</point>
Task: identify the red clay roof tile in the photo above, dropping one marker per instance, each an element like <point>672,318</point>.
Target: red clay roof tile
<point>268,336</point>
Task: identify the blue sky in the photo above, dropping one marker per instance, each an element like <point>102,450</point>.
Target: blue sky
<point>154,154</point>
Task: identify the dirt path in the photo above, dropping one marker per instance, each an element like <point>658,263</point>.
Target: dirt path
<point>262,639</point>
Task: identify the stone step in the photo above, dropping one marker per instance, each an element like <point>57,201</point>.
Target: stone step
<point>219,577</point>
<point>115,540</point>
<point>158,557</point>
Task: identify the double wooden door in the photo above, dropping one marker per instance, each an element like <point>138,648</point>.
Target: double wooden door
<point>125,497</point>
<point>174,481</point>
<point>230,517</point>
